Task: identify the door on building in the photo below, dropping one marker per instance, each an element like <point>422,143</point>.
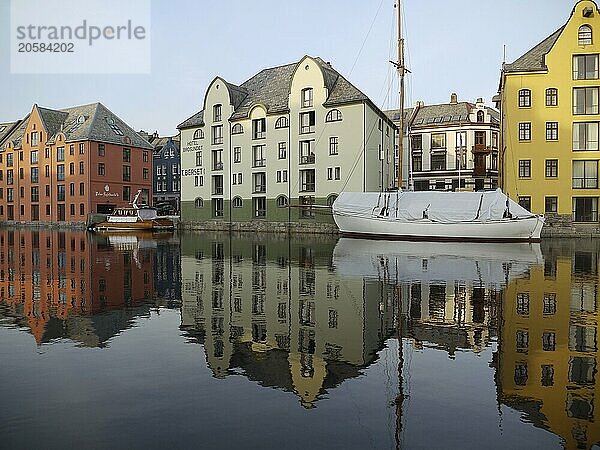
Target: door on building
<point>35,212</point>
<point>479,164</point>
<point>61,212</point>
<point>10,212</point>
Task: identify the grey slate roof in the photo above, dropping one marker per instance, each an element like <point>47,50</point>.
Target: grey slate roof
<point>5,129</point>
<point>271,88</point>
<point>16,136</point>
<point>534,59</point>
<point>445,113</point>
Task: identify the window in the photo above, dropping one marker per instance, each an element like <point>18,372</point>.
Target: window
<point>81,188</point>
<point>35,194</point>
<point>551,97</point>
<point>417,162</point>
<point>113,126</point>
<point>330,173</point>
<point>9,176</point>
<point>438,140</point>
<point>525,131</point>
<point>282,201</point>
<point>307,97</point>
<point>307,180</point>
<point>585,174</point>
<point>585,136</point>
<point>217,160</point>
<point>585,209</point>
<point>217,134</point>
<point>216,113</point>
<point>237,154</point>
<point>282,150</point>
<point>307,122</point>
<point>9,160</point>
<point>47,190</point>
<point>333,116</point>
<point>81,209</point>
<point>522,341</point>
<point>126,155</point>
<point>552,131</point>
<point>71,168</point>
<point>237,129</point>
<point>549,303</point>
<point>81,167</point>
<point>259,156</point>
<point>126,173</point>
<point>551,205</point>
<point>282,122</point>
<point>549,341</point>
<point>60,192</point>
<point>438,161</point>
<point>198,180</point>
<point>524,98</point>
<point>259,128</point>
<point>237,202</point>
<point>199,134</point>
<point>101,150</point>
<point>585,100</point>
<point>33,157</point>
<point>35,175</point>
<point>81,148</point>
<point>145,173</point>
<point>333,145</point>
<point>60,154</point>
<point>146,156</point>
<point>71,189</point>
<point>523,303</point>
<point>480,116</point>
<point>521,376</point>
<point>259,182</point>
<point>585,67</point>
<point>34,139</point>
<point>525,202</point>
<point>198,158</point>
<point>551,168</point>
<point>127,193</point>
<point>307,154</point>
<point>60,172</point>
<point>199,202</point>
<point>416,142</point>
<point>584,36</point>
<point>9,194</point>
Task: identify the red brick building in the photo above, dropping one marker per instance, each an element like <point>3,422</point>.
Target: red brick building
<point>61,165</point>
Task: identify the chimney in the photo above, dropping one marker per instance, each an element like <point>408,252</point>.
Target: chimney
<point>453,98</point>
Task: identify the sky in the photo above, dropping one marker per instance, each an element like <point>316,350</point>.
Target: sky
<point>451,46</point>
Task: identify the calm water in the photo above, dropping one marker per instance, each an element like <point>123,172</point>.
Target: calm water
<point>255,341</point>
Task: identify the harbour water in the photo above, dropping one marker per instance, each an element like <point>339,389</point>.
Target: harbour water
<point>259,341</point>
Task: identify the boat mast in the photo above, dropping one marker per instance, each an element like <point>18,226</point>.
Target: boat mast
<point>401,72</point>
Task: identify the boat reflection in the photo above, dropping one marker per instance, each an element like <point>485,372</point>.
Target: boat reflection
<point>73,285</point>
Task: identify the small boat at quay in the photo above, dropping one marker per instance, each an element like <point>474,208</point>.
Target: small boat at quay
<point>133,218</point>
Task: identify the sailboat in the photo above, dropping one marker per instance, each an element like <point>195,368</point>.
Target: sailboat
<point>433,215</point>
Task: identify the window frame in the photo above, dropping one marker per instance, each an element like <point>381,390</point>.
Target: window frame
<point>524,98</point>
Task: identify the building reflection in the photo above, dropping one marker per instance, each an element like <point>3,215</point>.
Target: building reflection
<point>548,353</point>
<point>276,311</point>
<point>74,285</point>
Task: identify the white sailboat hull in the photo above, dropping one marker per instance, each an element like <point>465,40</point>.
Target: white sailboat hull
<point>522,229</point>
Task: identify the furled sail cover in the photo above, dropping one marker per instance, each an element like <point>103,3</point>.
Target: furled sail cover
<point>437,206</point>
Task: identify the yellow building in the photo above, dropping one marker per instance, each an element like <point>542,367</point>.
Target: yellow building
<point>549,104</point>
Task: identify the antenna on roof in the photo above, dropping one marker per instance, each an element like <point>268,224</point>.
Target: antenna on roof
<point>503,54</point>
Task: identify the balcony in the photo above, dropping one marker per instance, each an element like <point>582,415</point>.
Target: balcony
<point>481,148</point>
<point>260,189</point>
<point>259,135</point>
<point>307,187</point>
<point>308,159</point>
<point>218,165</point>
<point>217,190</point>
<point>259,163</point>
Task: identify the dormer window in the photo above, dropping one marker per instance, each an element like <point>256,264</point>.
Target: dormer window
<point>282,122</point>
<point>237,129</point>
<point>198,134</point>
<point>584,37</point>
<point>217,113</point>
<point>333,116</point>
<point>307,97</point>
<point>113,126</point>
<point>480,116</point>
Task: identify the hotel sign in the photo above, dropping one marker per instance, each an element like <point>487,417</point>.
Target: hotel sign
<point>192,146</point>
<point>106,192</point>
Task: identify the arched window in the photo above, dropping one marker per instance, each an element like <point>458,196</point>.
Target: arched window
<point>199,134</point>
<point>237,129</point>
<point>333,116</point>
<point>480,116</point>
<point>584,37</point>
<point>282,201</point>
<point>524,98</point>
<point>551,97</point>
<point>199,202</point>
<point>237,202</point>
<point>331,199</point>
<point>282,122</point>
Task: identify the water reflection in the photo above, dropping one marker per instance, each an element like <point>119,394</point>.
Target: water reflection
<point>74,285</point>
<point>307,315</point>
<point>278,312</point>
